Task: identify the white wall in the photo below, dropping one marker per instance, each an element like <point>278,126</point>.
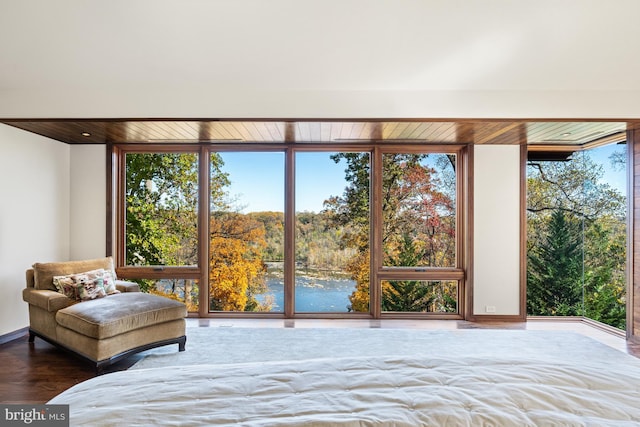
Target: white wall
<point>34,214</point>
<point>496,229</point>
<point>88,201</point>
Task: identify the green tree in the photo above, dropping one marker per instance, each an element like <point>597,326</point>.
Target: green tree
<point>161,215</point>
<point>415,295</point>
<point>577,188</point>
<point>554,282</point>
<point>605,281</point>
<point>352,208</point>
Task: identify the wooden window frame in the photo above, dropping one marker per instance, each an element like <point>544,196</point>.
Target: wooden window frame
<point>378,273</point>
<point>381,273</point>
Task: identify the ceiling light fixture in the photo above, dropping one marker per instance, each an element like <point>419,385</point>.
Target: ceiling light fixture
<point>86,134</point>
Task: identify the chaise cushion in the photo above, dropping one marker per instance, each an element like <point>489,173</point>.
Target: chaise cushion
<point>44,272</point>
<point>107,317</point>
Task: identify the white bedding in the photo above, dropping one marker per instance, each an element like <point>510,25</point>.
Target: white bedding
<point>386,390</point>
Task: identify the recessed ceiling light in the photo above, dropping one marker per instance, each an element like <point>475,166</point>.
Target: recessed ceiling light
<point>566,134</point>
<point>85,134</point>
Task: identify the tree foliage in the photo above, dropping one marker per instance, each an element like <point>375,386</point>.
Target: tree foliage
<point>273,223</point>
<point>554,284</point>
<point>415,295</point>
<point>595,219</point>
<point>236,269</point>
<point>418,222</point>
<point>414,208</point>
<point>605,280</point>
<point>161,208</point>
<point>319,245</point>
<point>352,208</point>
<point>162,229</point>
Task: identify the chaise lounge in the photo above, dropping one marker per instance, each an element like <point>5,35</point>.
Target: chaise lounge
<point>108,319</point>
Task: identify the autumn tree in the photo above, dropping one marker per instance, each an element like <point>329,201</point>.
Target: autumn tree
<point>236,270</point>
<point>274,233</point>
<point>415,210</point>
<point>414,207</point>
<point>162,229</point>
<point>319,243</point>
<point>358,268</point>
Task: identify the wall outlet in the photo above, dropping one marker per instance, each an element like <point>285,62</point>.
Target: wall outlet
<point>490,309</point>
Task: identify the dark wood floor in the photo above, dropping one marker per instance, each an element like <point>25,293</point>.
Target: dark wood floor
<point>36,372</point>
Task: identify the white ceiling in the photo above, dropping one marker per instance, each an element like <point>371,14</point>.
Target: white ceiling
<point>388,57</point>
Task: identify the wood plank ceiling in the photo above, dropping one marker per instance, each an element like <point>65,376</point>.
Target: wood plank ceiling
<point>558,133</point>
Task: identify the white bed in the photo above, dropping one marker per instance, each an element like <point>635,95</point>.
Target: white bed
<point>364,391</point>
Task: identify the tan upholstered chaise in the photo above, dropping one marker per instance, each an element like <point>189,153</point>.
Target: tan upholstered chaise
<point>102,330</point>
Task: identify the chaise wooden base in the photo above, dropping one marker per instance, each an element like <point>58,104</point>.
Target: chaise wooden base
<point>102,364</point>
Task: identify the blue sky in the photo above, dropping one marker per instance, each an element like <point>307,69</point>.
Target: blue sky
<point>258,180</point>
<point>615,178</point>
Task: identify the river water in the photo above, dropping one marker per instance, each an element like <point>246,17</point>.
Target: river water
<point>312,294</point>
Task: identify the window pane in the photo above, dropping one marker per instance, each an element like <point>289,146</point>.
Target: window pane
<point>419,210</point>
<point>161,209</point>
<point>184,290</point>
<point>332,232</point>
<point>246,245</point>
<point>420,296</point>
<point>576,236</point>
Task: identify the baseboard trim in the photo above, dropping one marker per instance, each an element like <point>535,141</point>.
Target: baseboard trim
<point>514,318</point>
<point>604,327</point>
<point>580,319</point>
<point>14,335</point>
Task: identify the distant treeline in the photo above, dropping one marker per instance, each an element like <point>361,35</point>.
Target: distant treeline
<point>318,241</point>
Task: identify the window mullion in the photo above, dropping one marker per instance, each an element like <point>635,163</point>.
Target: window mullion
<point>203,229</point>
<point>375,300</point>
<point>289,233</point>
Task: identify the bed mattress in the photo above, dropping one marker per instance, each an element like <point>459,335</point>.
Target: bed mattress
<point>360,391</point>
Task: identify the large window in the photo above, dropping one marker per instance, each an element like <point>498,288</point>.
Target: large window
<point>332,231</point>
<point>418,210</point>
<point>576,241</point>
<point>161,196</point>
<point>419,232</point>
<point>364,230</point>
<point>160,228</point>
<point>246,231</point>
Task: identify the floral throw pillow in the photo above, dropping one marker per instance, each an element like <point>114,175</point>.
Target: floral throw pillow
<point>82,286</point>
<point>109,282</point>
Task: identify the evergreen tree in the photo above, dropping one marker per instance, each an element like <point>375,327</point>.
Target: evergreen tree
<point>579,188</point>
<point>416,296</point>
<point>554,280</point>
